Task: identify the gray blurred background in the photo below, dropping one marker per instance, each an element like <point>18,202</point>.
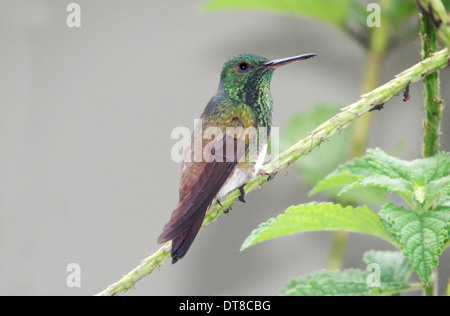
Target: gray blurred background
<point>86,174</point>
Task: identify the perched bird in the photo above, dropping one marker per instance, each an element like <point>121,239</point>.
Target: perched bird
<point>228,145</point>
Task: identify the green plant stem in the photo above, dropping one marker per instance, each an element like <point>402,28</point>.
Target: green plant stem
<point>411,287</point>
<point>430,288</point>
<point>438,15</point>
<point>338,249</point>
<point>433,103</point>
<point>303,147</point>
<point>145,268</point>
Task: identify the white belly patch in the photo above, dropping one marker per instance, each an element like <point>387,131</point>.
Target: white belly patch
<point>239,177</point>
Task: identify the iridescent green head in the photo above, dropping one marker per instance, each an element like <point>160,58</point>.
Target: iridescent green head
<point>247,77</point>
<point>244,77</point>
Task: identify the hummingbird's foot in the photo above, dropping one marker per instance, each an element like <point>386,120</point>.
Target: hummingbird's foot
<point>224,211</point>
<point>227,210</point>
<point>272,175</point>
<point>241,197</point>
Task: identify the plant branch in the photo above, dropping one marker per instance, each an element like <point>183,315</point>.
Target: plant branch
<point>145,268</point>
<point>370,101</point>
<point>433,104</point>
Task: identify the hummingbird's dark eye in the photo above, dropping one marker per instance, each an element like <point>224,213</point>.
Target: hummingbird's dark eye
<point>243,67</point>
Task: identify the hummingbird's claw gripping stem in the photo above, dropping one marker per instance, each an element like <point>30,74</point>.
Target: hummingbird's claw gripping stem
<point>241,197</point>
<point>272,175</point>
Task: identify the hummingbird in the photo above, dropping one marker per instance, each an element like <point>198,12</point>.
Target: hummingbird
<point>228,145</point>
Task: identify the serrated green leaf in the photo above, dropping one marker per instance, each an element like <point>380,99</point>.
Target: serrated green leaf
<point>394,268</point>
<point>363,172</point>
<point>386,165</point>
<point>353,282</point>
<point>419,182</point>
<point>384,182</point>
<point>344,175</point>
<point>439,187</point>
<point>334,12</point>
<point>320,216</point>
<point>433,168</point>
<point>348,283</point>
<point>421,235</point>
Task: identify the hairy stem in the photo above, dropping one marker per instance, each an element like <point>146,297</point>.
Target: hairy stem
<point>438,15</point>
<point>369,101</point>
<point>433,103</point>
<point>145,268</point>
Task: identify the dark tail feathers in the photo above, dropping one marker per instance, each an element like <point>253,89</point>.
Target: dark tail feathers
<point>182,242</point>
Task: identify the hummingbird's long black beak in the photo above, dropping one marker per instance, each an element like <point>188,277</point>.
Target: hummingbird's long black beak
<point>284,61</point>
